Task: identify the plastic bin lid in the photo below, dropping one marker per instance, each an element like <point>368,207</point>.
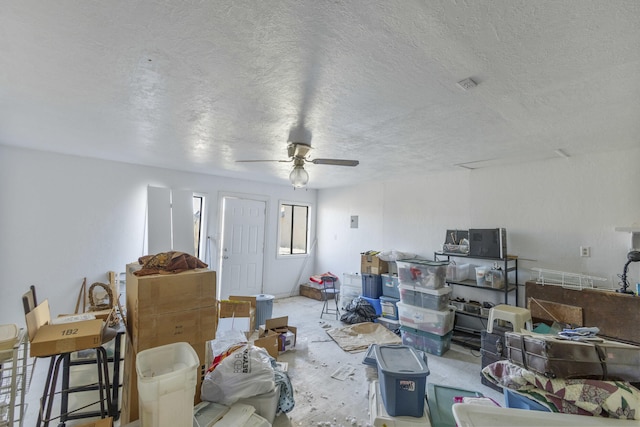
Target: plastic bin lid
<point>437,292</point>
<point>424,262</point>
<point>440,400</point>
<point>370,356</point>
<point>400,359</point>
<point>206,414</point>
<point>264,297</point>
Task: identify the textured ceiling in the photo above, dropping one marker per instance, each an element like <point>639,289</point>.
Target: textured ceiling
<point>196,86</point>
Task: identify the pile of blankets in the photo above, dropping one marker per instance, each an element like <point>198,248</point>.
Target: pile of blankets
<point>614,399</point>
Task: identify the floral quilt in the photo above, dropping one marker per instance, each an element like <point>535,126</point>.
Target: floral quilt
<point>614,399</point>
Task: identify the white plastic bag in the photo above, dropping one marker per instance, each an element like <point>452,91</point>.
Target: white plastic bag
<point>246,372</point>
<point>394,255</point>
<point>225,340</point>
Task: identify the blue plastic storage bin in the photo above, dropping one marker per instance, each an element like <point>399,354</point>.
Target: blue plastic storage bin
<point>390,285</point>
<point>403,378</point>
<point>518,401</point>
<point>389,307</point>
<point>371,285</point>
<point>375,302</point>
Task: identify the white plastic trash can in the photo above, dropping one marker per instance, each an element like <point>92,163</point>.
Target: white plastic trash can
<point>167,377</point>
<point>264,308</point>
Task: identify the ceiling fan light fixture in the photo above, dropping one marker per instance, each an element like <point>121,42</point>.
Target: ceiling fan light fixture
<point>298,176</point>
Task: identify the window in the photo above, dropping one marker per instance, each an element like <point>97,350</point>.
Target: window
<point>294,229</point>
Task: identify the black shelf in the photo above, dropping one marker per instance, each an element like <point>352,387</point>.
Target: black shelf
<point>466,313</point>
<point>509,264</point>
<point>473,284</point>
<point>461,255</point>
<point>472,340</point>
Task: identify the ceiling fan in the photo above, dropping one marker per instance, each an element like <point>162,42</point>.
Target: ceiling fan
<point>297,153</point>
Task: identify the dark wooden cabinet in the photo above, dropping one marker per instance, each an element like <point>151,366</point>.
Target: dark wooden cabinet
<point>616,315</point>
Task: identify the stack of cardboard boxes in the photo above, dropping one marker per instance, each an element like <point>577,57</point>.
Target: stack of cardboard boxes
<point>164,309</point>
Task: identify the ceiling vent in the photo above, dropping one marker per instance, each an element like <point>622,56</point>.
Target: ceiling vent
<point>467,84</point>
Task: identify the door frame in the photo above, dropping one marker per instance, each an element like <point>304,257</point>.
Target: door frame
<point>247,196</point>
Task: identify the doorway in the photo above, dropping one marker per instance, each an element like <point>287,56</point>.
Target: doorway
<point>242,248</point>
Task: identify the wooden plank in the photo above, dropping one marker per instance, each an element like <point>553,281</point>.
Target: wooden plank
<point>616,315</point>
<point>553,311</point>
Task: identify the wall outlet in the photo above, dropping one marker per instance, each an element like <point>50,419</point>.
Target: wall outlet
<point>585,251</point>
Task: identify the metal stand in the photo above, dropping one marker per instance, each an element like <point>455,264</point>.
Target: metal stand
<point>13,382</point>
<point>329,288</point>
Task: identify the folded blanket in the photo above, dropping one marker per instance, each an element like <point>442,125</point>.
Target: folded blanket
<point>168,263</point>
<point>614,399</point>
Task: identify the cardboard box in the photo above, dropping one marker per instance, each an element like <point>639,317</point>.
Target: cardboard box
<point>238,312</point>
<point>47,339</point>
<point>312,292</point>
<point>167,308</point>
<point>280,326</point>
<point>270,342</point>
<point>105,422</point>
<point>371,264</point>
<point>167,293</point>
<point>192,326</point>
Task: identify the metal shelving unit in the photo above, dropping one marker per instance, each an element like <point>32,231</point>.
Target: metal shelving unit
<point>468,326</point>
<point>508,265</point>
<point>14,382</point>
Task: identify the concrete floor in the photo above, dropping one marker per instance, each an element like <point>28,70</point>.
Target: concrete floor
<point>321,399</point>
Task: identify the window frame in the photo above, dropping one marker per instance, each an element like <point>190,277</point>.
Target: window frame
<point>202,242</point>
<point>282,203</point>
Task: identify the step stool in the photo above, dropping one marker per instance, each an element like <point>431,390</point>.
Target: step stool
<point>518,316</point>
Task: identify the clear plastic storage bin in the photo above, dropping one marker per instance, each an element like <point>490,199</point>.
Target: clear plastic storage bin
<point>437,322</point>
<point>351,279</point>
<point>433,299</point>
<point>349,292</point>
<point>167,384</point>
<point>458,272</point>
<point>424,341</point>
<point>422,273</point>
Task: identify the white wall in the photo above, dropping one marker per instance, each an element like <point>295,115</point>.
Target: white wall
<point>549,208</point>
<point>63,218</point>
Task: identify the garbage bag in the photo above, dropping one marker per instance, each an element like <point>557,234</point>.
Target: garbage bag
<point>359,310</point>
<point>246,372</point>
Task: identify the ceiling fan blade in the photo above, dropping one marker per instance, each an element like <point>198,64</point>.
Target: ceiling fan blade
<point>255,161</point>
<point>335,162</point>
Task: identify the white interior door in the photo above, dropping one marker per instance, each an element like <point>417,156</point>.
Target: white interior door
<point>242,248</point>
